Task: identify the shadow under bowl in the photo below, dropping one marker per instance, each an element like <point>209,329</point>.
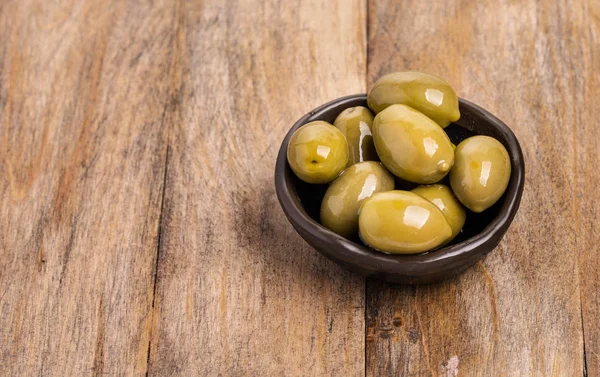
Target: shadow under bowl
<point>481,233</point>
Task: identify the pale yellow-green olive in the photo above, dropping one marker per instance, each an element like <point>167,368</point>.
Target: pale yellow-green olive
<point>412,146</point>
<point>444,199</point>
<point>355,123</point>
<point>339,208</point>
<point>317,152</point>
<point>402,222</point>
<point>426,93</point>
<point>480,173</point>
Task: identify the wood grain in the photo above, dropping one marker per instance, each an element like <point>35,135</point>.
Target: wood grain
<point>585,63</point>
<point>238,291</point>
<point>82,159</point>
<point>139,227</point>
<point>518,312</point>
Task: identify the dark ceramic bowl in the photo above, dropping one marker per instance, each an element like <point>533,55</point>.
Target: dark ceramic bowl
<point>481,234</point>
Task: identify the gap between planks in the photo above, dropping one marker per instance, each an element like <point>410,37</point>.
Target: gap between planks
<point>582,333</point>
<point>168,118</point>
<point>158,247</point>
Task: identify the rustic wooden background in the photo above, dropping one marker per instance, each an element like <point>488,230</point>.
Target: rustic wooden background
<point>139,228</point>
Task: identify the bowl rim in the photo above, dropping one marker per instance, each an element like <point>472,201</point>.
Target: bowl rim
<point>401,263</point>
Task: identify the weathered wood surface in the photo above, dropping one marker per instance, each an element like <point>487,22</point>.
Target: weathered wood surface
<point>584,51</point>
<point>518,313</point>
<point>238,291</point>
<point>139,228</point>
<point>82,159</point>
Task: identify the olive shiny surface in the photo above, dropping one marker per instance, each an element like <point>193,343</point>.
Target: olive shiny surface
<point>402,222</point>
<point>444,199</point>
<point>481,172</point>
<point>339,208</point>
<point>355,123</point>
<point>317,152</point>
<point>426,93</point>
<point>412,146</point>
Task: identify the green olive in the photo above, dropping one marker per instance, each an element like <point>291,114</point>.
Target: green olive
<point>427,93</point>
<point>317,152</point>
<point>355,123</point>
<point>442,197</point>
<point>480,173</point>
<point>402,222</point>
<point>339,208</point>
<point>412,146</point>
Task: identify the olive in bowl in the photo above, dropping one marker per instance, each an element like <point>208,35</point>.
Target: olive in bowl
<point>345,195</point>
<point>402,222</point>
<point>356,124</point>
<point>481,233</point>
<point>411,145</point>
<point>317,152</point>
<point>423,92</point>
<point>480,173</point>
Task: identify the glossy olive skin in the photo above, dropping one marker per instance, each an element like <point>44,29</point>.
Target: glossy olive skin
<point>412,146</point>
<point>481,172</point>
<point>426,93</point>
<point>444,199</point>
<point>339,208</point>
<point>317,152</point>
<point>355,123</point>
<point>402,222</point>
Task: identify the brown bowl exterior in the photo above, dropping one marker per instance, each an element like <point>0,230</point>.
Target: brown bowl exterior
<point>406,269</point>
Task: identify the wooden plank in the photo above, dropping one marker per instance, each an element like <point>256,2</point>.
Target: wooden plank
<point>518,312</point>
<point>238,291</point>
<point>83,94</point>
<point>585,63</point>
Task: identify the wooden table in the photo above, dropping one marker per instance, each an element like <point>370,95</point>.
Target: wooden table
<point>139,228</point>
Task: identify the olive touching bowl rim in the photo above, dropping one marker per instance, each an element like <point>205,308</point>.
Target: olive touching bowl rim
<point>408,269</point>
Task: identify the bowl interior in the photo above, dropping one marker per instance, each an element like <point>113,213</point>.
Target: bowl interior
<point>311,195</point>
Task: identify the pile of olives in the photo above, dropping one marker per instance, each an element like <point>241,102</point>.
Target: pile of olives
<point>362,156</point>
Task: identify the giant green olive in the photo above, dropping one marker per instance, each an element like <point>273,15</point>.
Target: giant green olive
<point>480,173</point>
<point>355,123</point>
<point>412,146</point>
<point>427,93</point>
<point>402,222</point>
<point>442,197</point>
<point>317,152</point>
<point>339,208</point>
